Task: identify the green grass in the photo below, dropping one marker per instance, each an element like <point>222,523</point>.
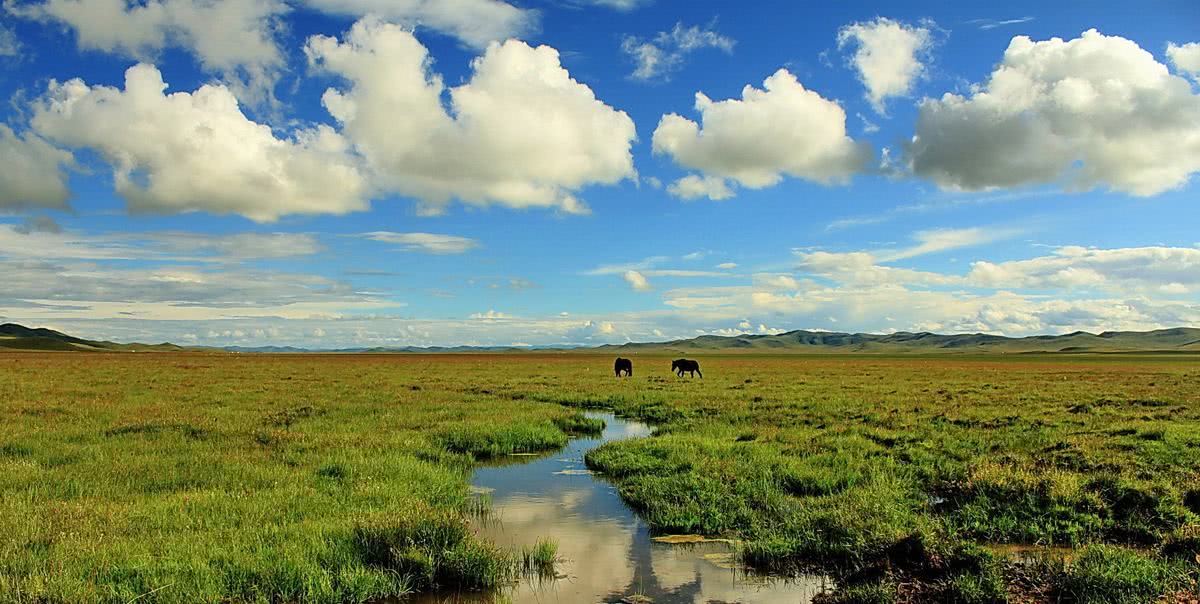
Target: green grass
<point>1104,574</point>
<point>343,478</point>
<point>198,478</point>
<point>541,558</point>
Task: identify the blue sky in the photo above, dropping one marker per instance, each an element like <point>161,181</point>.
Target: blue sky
<point>386,173</point>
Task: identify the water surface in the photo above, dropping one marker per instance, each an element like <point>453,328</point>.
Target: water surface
<point>607,551</point>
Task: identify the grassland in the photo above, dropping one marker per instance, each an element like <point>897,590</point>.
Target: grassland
<point>333,478</point>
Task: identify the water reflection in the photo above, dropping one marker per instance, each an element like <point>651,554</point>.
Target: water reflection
<point>608,555</point>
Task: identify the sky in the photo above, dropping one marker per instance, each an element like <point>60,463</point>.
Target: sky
<point>361,173</point>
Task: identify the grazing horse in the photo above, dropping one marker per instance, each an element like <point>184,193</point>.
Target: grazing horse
<point>623,365</point>
<point>681,365</point>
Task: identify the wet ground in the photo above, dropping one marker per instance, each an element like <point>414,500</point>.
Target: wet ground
<point>608,554</point>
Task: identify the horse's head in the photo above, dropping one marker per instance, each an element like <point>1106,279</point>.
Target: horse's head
<point>676,364</point>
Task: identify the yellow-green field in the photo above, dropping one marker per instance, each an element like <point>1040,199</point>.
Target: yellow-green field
<point>343,478</point>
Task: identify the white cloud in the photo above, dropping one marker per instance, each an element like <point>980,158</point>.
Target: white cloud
<point>42,238</point>
<point>1169,270</point>
<point>475,22</point>
<point>777,282</point>
<point>233,38</point>
<point>196,151</point>
<point>986,24</point>
<point>430,243</point>
<point>10,46</point>
<point>617,269</point>
<point>636,280</point>
<point>223,247</point>
<point>1141,288</point>
<point>666,51</point>
<point>888,56</point>
<point>1095,111</point>
<point>862,268</point>
<point>745,327</point>
<point>694,186</point>
<point>727,265</point>
<point>865,268</point>
<point>520,133</point>
<point>592,332</point>
<point>782,129</point>
<point>621,5</point>
<point>490,315</point>
<point>31,171</point>
<point>932,241</point>
<point>38,224</point>
<point>1185,57</point>
<point>888,306</point>
<point>48,287</point>
<point>645,268</point>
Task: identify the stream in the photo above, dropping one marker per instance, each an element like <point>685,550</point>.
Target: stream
<point>607,553</point>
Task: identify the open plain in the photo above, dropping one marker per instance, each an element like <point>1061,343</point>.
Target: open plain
<point>195,477</point>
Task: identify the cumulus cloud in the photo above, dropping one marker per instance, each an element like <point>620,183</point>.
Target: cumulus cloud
<point>864,268</point>
<point>1095,111</point>
<point>888,306</point>
<point>184,152</point>
<point>888,56</point>
<point>745,327</point>
<point>592,332</point>
<point>1185,57</point>
<point>781,129</point>
<point>520,133</point>
<point>694,186</point>
<point>429,243</point>
<point>1163,271</point>
<point>233,38</point>
<point>657,57</point>
<point>475,22</point>
<point>636,280</point>
<point>31,171</point>
<point>867,268</point>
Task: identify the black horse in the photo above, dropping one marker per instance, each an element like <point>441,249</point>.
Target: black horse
<point>623,365</point>
<point>679,366</point>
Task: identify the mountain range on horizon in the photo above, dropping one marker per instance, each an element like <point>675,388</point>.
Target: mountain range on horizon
<point>1173,340</point>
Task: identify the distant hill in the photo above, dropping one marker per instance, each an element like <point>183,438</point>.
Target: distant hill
<point>1179,339</point>
<point>19,337</point>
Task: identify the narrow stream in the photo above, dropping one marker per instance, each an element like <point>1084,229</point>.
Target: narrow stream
<point>607,551</point>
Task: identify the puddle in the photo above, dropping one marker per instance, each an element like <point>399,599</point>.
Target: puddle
<point>607,552</point>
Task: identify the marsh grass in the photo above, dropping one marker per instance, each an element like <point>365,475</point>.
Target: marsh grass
<point>343,478</point>
<point>541,558</point>
<point>252,479</point>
